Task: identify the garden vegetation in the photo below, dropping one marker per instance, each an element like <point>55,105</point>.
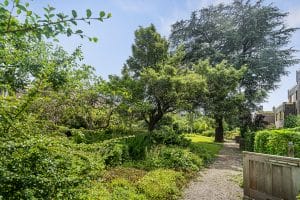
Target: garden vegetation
<point>66,133</point>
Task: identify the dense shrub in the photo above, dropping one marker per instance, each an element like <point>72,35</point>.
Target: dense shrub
<point>161,184</point>
<point>291,121</point>
<point>232,134</point>
<point>249,141</point>
<point>173,158</point>
<point>114,152</point>
<point>124,190</point>
<point>138,146</point>
<point>276,141</point>
<point>168,136</point>
<point>209,133</point>
<point>94,136</point>
<point>45,168</point>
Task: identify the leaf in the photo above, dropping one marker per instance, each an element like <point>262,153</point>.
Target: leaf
<point>69,32</point>
<point>95,39</point>
<point>51,8</point>
<point>26,4</point>
<point>88,13</point>
<point>102,14</point>
<point>18,11</point>
<point>73,22</point>
<point>79,31</point>
<point>109,15</point>
<point>74,13</point>
<point>21,7</point>
<point>60,15</point>
<point>6,2</point>
<point>29,13</point>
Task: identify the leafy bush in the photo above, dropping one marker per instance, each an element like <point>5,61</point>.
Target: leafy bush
<point>123,190</point>
<point>137,146</point>
<point>291,121</point>
<point>95,191</point>
<point>96,136</point>
<point>45,168</point>
<point>231,134</point>
<point>162,184</point>
<point>249,141</point>
<point>130,174</point>
<point>209,133</point>
<point>168,136</point>
<point>276,141</point>
<point>114,152</point>
<point>173,158</point>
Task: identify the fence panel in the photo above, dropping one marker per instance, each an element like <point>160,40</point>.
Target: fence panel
<point>269,177</point>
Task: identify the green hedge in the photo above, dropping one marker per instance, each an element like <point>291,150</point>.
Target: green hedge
<point>276,141</point>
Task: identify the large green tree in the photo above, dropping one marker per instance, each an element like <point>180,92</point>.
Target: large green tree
<point>222,98</point>
<point>28,64</point>
<point>149,50</point>
<point>242,33</point>
<point>155,79</point>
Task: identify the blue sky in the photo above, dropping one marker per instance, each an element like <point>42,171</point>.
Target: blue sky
<point>116,35</point>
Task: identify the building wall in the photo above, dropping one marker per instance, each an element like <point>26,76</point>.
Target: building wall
<point>294,97</point>
<point>283,111</point>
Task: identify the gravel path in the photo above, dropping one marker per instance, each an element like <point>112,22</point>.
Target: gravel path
<point>218,182</point>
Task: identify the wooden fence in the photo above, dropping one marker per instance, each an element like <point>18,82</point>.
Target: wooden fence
<point>269,177</point>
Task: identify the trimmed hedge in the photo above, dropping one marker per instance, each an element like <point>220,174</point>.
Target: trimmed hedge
<point>276,141</point>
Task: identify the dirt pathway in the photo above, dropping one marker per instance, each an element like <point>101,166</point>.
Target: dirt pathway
<point>219,181</point>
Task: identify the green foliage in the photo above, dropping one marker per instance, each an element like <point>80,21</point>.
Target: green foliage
<point>47,168</point>
<point>242,32</point>
<point>222,98</point>
<point>204,147</point>
<point>231,134</point>
<point>173,158</point>
<point>276,141</point>
<point>291,121</point>
<point>250,141</point>
<point>149,50</point>
<point>154,79</point>
<point>161,184</point>
<point>114,152</point>
<point>138,146</point>
<point>50,24</point>
<point>96,191</point>
<point>209,133</point>
<point>123,190</point>
<point>168,136</point>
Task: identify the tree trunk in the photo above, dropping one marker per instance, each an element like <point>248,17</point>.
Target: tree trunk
<point>151,126</point>
<point>219,131</point>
